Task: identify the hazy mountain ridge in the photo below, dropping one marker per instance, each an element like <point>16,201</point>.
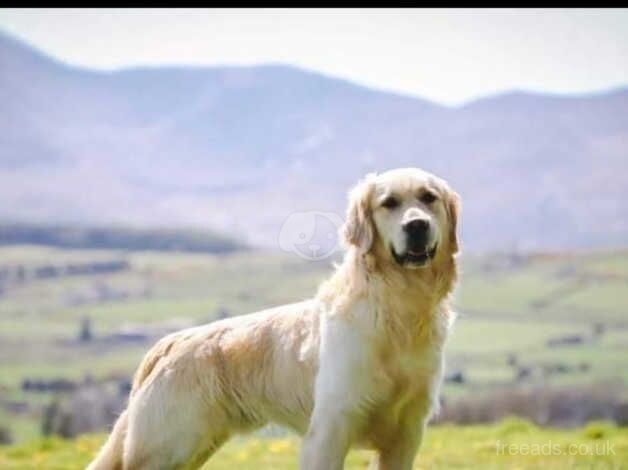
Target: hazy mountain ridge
<point>241,148</point>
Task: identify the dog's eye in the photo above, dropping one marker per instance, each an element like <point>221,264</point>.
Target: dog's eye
<point>390,202</point>
<point>428,197</point>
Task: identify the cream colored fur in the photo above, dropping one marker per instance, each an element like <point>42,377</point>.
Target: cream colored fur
<point>360,364</point>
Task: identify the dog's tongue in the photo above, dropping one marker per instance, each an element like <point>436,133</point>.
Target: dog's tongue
<point>416,253</point>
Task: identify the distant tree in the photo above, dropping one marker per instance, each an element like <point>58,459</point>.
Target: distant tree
<point>48,421</point>
<point>5,436</point>
<point>85,334</point>
<point>20,274</point>
<point>598,329</point>
<point>622,414</point>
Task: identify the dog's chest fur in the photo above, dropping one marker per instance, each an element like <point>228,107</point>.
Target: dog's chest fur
<point>407,374</point>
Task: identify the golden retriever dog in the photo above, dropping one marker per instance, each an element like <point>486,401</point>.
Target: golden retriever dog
<point>360,364</point>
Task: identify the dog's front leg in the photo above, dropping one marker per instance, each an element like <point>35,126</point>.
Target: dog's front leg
<point>401,453</point>
<point>338,393</point>
<point>327,441</point>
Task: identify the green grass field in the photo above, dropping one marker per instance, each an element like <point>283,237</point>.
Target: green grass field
<point>508,306</point>
<point>512,444</point>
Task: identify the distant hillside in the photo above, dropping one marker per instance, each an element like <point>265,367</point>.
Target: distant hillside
<point>238,149</point>
<point>119,238</point>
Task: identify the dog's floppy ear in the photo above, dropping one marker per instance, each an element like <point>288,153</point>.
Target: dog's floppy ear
<point>358,229</point>
<point>453,212</point>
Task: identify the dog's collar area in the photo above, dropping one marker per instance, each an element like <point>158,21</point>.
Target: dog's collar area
<point>417,259</point>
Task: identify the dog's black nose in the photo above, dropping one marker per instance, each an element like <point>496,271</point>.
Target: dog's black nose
<point>416,227</point>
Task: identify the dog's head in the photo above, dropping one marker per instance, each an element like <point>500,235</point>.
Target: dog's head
<point>407,215</point>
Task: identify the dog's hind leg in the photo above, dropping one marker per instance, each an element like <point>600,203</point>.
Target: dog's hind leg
<point>171,424</point>
<point>110,455</point>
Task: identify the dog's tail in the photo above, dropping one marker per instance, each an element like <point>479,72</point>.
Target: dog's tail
<point>110,456</point>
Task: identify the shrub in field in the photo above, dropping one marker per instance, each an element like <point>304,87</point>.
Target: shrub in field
<point>566,407</point>
<point>90,408</point>
<point>598,429</point>
<point>515,425</point>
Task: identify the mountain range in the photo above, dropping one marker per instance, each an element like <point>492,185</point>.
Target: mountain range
<point>240,149</point>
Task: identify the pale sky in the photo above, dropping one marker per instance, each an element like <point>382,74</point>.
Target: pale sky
<point>448,56</point>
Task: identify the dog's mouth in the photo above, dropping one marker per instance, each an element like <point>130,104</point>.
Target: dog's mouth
<point>415,258</point>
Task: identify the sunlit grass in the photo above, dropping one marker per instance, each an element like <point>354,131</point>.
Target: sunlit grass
<point>511,444</point>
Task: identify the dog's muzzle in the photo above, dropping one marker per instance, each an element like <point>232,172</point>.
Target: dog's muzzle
<point>418,251</point>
